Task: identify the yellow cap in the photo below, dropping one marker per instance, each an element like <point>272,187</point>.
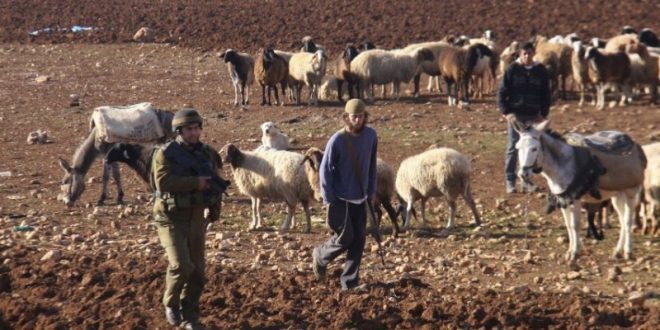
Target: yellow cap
<point>355,107</point>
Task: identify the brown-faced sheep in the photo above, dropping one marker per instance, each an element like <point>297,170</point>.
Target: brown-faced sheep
<point>344,74</point>
<point>270,69</point>
<point>456,67</point>
<point>556,58</point>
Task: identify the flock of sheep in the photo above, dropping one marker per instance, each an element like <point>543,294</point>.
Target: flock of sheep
<point>626,63</point>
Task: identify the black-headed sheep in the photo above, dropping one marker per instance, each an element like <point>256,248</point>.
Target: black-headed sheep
<point>434,173</point>
<point>277,175</point>
<point>608,69</point>
<point>344,74</point>
<point>241,71</point>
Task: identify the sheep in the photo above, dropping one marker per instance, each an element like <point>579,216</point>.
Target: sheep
<point>605,69</point>
<point>508,56</point>
<point>568,40</point>
<point>627,29</point>
<point>644,71</point>
<point>435,172</point>
<point>277,175</point>
<point>649,38</point>
<point>485,70</point>
<point>270,69</point>
<point>557,60</point>
<point>598,43</point>
<point>456,66</point>
<point>308,69</point>
<point>379,66</point>
<point>622,43</point>
<point>241,71</point>
<point>651,192</point>
<point>384,184</point>
<point>309,46</point>
<point>289,81</point>
<point>273,138</point>
<point>343,72</point>
<point>580,69</point>
<point>429,67</point>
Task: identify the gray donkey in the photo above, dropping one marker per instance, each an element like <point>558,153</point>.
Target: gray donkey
<point>73,183</point>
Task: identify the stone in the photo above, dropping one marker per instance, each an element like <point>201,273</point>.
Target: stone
<point>573,276</point>
<point>637,298</point>
<point>54,255</point>
<point>42,79</point>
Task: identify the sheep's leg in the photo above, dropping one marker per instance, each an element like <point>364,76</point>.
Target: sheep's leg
<point>395,90</point>
<point>467,196</point>
<point>416,83</point>
<point>581,89</point>
<point>270,89</point>
<point>254,213</point>
<point>429,85</point>
<point>392,214</point>
<point>423,210</point>
<point>104,189</point>
<point>243,93</point>
<point>277,96</point>
<point>263,94</point>
<point>116,176</point>
<point>624,205</point>
<point>287,225</point>
<point>600,96</point>
<point>370,91</point>
<point>308,216</point>
<point>406,221</point>
<point>340,84</point>
<point>449,95</point>
<point>466,90</point>
<point>235,92</point>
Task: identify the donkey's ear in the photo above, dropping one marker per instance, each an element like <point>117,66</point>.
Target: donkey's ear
<point>517,125</point>
<point>542,126</point>
<point>64,165</point>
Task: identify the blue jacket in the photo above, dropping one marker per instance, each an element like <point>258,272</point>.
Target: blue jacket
<point>337,172</point>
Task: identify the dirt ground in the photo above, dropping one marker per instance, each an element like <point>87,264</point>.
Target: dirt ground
<point>102,267</point>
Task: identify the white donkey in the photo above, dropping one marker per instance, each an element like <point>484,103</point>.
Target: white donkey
<point>576,178</point>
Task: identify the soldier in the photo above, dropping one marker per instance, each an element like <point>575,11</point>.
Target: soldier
<point>183,177</point>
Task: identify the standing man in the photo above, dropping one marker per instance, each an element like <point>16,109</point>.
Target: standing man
<point>524,95</point>
<point>348,181</point>
<point>181,176</point>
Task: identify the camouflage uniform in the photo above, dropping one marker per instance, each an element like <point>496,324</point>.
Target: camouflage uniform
<point>179,216</point>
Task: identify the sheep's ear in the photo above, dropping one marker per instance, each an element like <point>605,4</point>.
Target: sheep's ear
<point>64,165</point>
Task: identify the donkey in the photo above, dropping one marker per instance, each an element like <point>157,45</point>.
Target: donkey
<point>73,183</point>
<point>575,178</point>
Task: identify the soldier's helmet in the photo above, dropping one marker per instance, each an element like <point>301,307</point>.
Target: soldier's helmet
<point>186,116</point>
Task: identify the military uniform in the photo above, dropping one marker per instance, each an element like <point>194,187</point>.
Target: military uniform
<point>179,216</point>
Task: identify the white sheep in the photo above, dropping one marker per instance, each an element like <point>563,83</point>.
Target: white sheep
<point>381,67</point>
<point>241,71</point>
<point>433,173</point>
<point>308,69</point>
<point>274,174</point>
<point>273,138</point>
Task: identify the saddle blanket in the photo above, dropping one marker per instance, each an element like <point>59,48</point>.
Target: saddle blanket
<point>611,142</point>
<point>133,123</point>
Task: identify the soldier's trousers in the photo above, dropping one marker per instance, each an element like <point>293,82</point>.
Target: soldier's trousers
<point>183,241</point>
<point>349,223</point>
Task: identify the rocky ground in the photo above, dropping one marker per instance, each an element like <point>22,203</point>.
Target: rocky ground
<point>102,267</point>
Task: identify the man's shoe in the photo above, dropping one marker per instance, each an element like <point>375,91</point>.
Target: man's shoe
<point>173,315</point>
<point>510,187</point>
<point>359,288</point>
<point>192,325</point>
<point>319,271</point>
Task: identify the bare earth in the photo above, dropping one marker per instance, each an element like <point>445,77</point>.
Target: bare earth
<point>109,274</point>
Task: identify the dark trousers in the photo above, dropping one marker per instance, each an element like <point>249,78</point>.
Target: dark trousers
<point>511,156</point>
<point>349,223</point>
